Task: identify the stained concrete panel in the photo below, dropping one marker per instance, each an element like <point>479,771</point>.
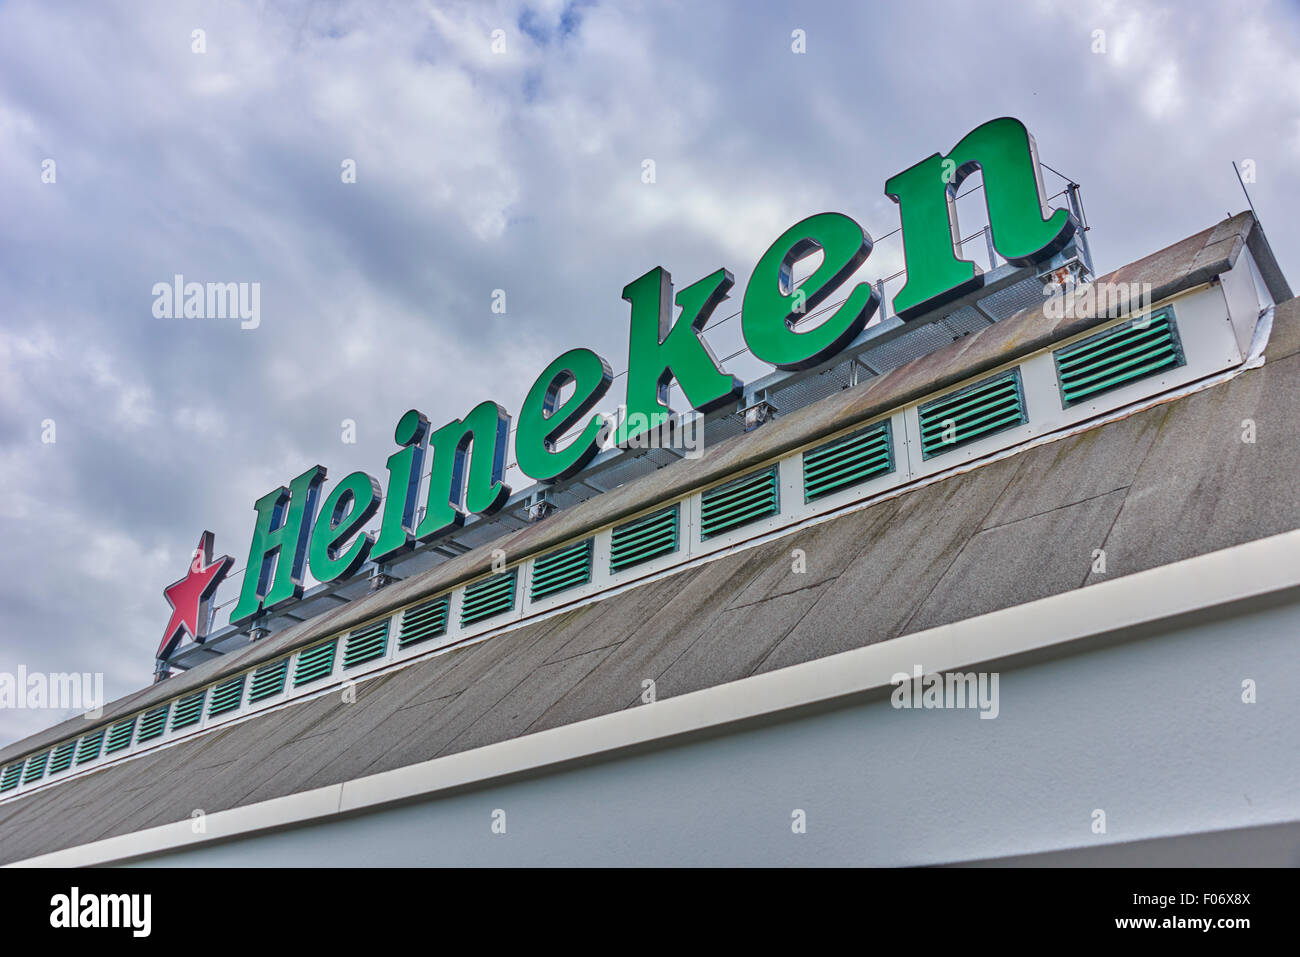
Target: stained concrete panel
<point>527,701</point>
<point>1021,561</point>
<point>827,549</point>
<point>1078,468</point>
<point>655,642</point>
<point>736,642</point>
<point>1201,487</point>
<point>893,571</point>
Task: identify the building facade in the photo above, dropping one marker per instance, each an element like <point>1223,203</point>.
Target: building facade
<point>1029,597</point>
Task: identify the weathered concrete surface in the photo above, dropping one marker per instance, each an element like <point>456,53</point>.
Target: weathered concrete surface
<point>1164,484</point>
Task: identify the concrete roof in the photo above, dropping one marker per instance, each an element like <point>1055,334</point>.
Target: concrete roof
<point>1161,485</point>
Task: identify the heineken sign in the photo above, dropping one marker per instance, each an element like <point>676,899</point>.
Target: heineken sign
<point>296,531</point>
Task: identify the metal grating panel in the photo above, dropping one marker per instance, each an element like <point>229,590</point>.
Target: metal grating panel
<point>644,539</point>
<point>964,321</point>
<point>188,710</point>
<point>153,723</point>
<point>119,736</point>
<point>35,767</point>
<point>12,775</point>
<point>847,461</point>
<point>268,680</point>
<point>1006,302</point>
<point>973,413</point>
<point>226,696</point>
<point>422,622</point>
<point>720,429</point>
<point>90,746</point>
<point>314,663</point>
<point>61,757</point>
<point>561,569</point>
<point>488,597</point>
<point>738,503</point>
<point>912,344</point>
<point>366,644</point>
<point>805,391</point>
<point>1114,358</point>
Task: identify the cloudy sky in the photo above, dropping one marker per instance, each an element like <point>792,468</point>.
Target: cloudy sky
<point>481,169</point>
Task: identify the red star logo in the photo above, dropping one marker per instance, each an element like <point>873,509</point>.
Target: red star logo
<point>190,596</point>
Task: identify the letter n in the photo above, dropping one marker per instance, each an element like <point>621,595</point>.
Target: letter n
<point>469,462</point>
<point>1025,229</point>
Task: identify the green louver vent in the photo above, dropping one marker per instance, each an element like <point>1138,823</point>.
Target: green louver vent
<point>315,663</point>
<point>847,461</point>
<point>119,736</point>
<point>12,774</point>
<point>61,757</point>
<point>644,539</point>
<point>1116,357</point>
<point>35,768</point>
<point>366,644</point>
<point>488,597</point>
<point>153,723</point>
<point>268,680</point>
<point>423,622</point>
<point>226,696</point>
<point>561,569</point>
<point>738,503</point>
<point>188,711</point>
<point>90,746</point>
<point>972,413</point>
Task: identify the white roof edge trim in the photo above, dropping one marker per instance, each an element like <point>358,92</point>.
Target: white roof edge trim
<point>1268,567</point>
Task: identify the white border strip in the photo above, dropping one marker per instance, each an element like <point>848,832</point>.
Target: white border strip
<point>1115,608</point>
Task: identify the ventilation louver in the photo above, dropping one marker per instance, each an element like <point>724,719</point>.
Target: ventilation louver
<point>12,775</point>
<point>315,663</point>
<point>90,746</point>
<point>738,503</point>
<point>562,569</point>
<point>119,736</point>
<point>35,767</point>
<point>366,644</point>
<point>153,723</point>
<point>188,710</point>
<point>1114,358</point>
<point>644,539</point>
<point>61,757</point>
<point>973,413</point>
<point>226,696</point>
<point>488,597</point>
<point>422,622</point>
<point>268,680</point>
<point>848,461</point>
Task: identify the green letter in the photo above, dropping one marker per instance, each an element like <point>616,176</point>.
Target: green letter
<point>1025,230</point>
<point>542,422</point>
<point>351,504</point>
<point>284,520</point>
<point>772,305</point>
<point>659,351</point>
<point>404,470</point>
<point>479,438</point>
